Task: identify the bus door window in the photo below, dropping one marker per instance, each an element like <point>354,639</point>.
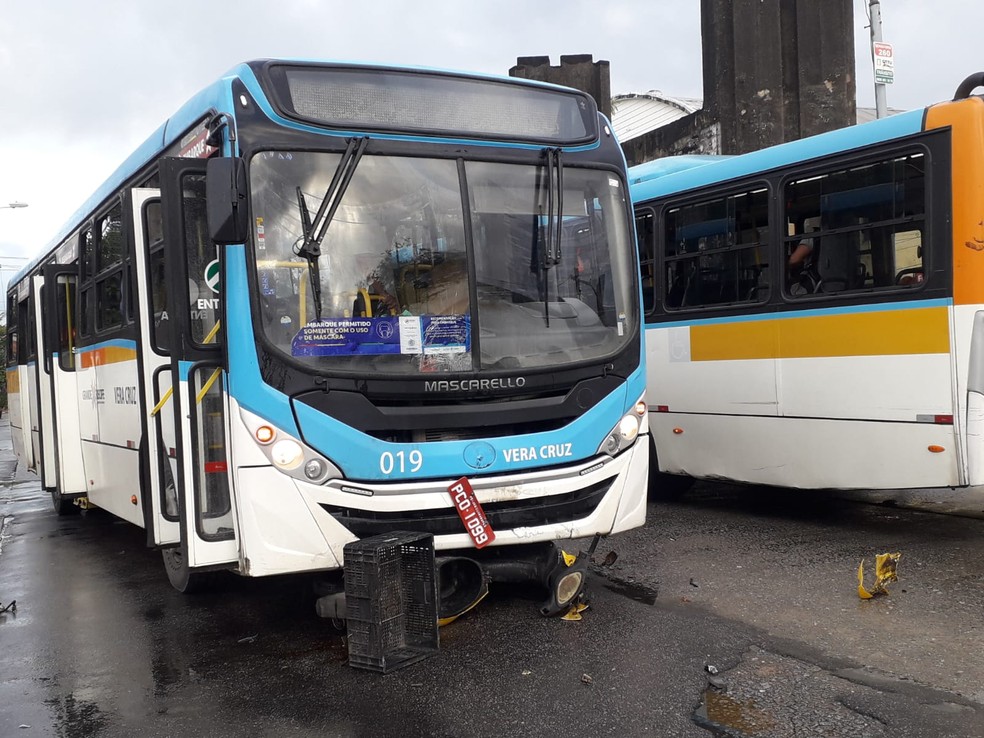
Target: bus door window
<point>213,503</point>
<point>65,308</point>
<point>160,327</point>
<point>202,258</point>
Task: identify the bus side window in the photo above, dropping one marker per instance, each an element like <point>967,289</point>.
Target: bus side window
<point>109,302</point>
<point>869,222</point>
<point>716,252</point>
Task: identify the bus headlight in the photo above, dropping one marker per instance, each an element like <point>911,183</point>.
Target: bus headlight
<point>287,454</point>
<point>624,434</point>
<point>628,428</point>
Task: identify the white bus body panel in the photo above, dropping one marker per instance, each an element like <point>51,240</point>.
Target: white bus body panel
<point>112,459</point>
<point>807,453</point>
<point>847,422</point>
<point>744,388</point>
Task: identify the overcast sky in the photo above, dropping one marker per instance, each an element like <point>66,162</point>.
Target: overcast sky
<point>83,83</point>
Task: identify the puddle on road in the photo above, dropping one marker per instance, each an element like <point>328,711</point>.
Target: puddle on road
<point>729,718</point>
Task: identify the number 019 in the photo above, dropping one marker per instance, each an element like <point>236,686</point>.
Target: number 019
<point>401,462</point>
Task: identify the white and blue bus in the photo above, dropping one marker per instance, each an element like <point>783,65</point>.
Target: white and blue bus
<point>322,300</point>
<point>815,311</point>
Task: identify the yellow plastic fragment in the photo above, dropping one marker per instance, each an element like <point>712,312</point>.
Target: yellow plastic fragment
<point>574,613</point>
<point>886,571</point>
<point>441,622</point>
<point>569,559</point>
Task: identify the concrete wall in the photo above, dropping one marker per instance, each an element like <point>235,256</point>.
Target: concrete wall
<point>579,71</point>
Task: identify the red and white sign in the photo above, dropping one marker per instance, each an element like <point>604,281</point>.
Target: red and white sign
<point>471,513</point>
<point>884,60</point>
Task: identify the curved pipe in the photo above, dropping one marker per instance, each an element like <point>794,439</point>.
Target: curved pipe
<point>969,85</point>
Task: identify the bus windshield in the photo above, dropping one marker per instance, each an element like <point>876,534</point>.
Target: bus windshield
<point>404,289</point>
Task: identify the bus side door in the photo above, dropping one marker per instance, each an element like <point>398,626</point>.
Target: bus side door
<point>47,471</point>
<point>60,355</point>
<point>206,502</point>
<point>160,447</point>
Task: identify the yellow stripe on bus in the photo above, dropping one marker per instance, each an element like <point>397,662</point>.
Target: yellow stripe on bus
<point>881,333</point>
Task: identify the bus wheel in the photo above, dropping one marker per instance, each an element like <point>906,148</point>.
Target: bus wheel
<point>61,505</point>
<point>181,578</point>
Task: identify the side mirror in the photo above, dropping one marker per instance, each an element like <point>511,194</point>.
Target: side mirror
<point>225,195</point>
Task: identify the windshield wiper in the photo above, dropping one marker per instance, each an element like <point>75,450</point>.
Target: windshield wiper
<point>554,231</point>
<point>314,230</point>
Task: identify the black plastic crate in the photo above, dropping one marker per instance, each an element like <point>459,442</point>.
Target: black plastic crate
<point>391,600</point>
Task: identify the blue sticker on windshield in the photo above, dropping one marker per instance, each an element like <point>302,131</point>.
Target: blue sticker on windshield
<point>404,334</point>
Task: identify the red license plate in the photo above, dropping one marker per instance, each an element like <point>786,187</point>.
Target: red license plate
<point>471,513</point>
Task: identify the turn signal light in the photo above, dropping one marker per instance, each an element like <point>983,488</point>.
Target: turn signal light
<point>936,449</point>
<point>678,431</point>
<point>265,434</point>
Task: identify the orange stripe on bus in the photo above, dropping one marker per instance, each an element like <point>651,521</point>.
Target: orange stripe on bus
<point>107,355</point>
<point>966,119</point>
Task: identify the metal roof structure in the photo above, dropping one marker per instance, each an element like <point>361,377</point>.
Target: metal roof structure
<point>638,113</point>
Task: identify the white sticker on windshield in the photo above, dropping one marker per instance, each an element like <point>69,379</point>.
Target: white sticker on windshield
<point>411,337</point>
<point>612,182</point>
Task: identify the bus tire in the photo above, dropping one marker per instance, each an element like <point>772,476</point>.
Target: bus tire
<point>183,579</point>
<point>62,505</point>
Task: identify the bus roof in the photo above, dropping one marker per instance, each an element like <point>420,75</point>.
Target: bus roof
<point>664,177</point>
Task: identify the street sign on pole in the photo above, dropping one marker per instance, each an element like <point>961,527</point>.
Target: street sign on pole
<point>884,60</point>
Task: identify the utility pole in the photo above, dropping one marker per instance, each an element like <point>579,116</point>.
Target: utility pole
<point>874,16</point>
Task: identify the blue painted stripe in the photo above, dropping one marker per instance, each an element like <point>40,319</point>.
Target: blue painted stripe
<point>358,455</point>
<point>245,382</point>
<point>111,343</point>
<point>787,314</point>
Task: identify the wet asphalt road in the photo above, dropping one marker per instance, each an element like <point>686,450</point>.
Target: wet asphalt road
<point>760,584</point>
